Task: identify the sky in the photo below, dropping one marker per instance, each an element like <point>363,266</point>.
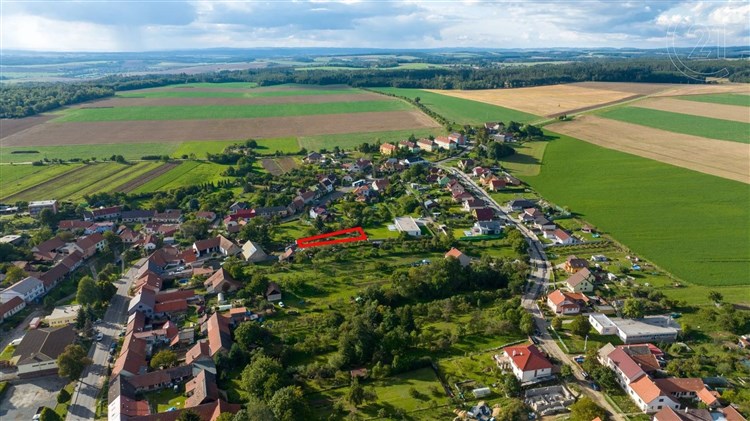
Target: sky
<point>152,25</point>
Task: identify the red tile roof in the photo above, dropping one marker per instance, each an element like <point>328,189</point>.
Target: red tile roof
<point>646,389</point>
<point>10,305</point>
<point>681,385</point>
<point>626,364</point>
<point>527,357</point>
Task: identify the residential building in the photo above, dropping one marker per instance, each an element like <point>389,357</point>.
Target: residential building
<point>483,214</point>
<point>273,292</point>
<point>559,236</point>
<point>219,335</point>
<point>528,363</point>
<point>252,252</point>
<point>487,227</point>
<point>36,207</point>
<point>566,303</point>
<point>11,307</point>
<point>28,289</point>
<point>520,204</point>
<point>221,281</point>
<point>443,142</point>
<point>648,397</point>
<point>426,144</point>
<point>388,149</point>
<point>581,281</point>
<point>459,255</point>
<point>218,244</point>
<point>573,264</point>
<point>89,245</point>
<point>457,138</point>
<point>408,225</point>
<point>63,315</point>
<point>103,213</point>
<point>38,351</point>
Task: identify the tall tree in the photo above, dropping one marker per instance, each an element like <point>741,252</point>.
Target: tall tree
<point>633,308</point>
<point>586,410</point>
<point>580,326</point>
<point>72,361</point>
<point>255,410</point>
<point>288,404</point>
<point>262,377</point>
<point>163,359</point>
<point>88,293</point>
<point>356,393</point>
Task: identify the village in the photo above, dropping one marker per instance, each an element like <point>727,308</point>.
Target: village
<point>165,308</point>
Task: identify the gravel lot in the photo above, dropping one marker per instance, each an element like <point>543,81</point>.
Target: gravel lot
<point>22,400</point>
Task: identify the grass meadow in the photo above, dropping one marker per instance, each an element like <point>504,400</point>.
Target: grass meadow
<point>187,174</point>
<point>691,224</point>
<point>462,111</point>
<point>726,99</point>
<point>130,151</point>
<point>178,92</point>
<point>203,112</point>
<point>683,123</point>
<point>527,160</point>
<point>16,178</point>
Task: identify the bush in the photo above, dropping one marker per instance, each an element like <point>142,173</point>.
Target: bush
<point>63,396</point>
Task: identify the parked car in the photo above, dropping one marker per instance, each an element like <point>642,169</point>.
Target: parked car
<point>595,386</point>
<point>281,304</point>
<point>99,337</point>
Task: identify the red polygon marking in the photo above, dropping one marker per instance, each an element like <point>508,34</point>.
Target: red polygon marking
<point>311,241</point>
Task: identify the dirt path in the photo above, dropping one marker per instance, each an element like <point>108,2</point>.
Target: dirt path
<point>716,157</point>
<point>719,111</point>
<point>145,178</point>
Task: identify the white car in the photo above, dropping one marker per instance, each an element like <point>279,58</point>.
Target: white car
<point>99,337</point>
<point>281,304</point>
<point>37,417</point>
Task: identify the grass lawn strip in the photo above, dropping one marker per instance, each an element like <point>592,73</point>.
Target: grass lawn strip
<point>653,209</point>
<point>129,151</point>
<point>683,123</point>
<point>462,111</point>
<point>726,99</point>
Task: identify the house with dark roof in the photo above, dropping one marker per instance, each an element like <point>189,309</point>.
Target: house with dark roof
<point>53,276</point>
<point>101,214</point>
<point>169,216</point>
<point>38,351</point>
<point>483,214</point>
<point>520,204</point>
<point>581,281</point>
<point>48,250</point>
<point>137,215</point>
<point>201,389</point>
<point>218,244</point>
<point>273,292</point>
<point>11,307</point>
<point>221,281</point>
<point>573,264</point>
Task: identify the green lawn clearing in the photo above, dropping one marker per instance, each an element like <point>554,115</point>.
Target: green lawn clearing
<point>691,224</point>
<point>683,123</point>
<point>202,112</point>
<point>726,99</point>
<point>462,111</point>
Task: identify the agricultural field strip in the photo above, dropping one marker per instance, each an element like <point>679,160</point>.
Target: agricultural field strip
<point>738,88</point>
<point>738,99</point>
<point>23,179</point>
<point>189,173</point>
<point>204,112</point>
<point>715,111</point>
<point>109,183</point>
<point>709,128</point>
<point>98,151</point>
<point>208,92</point>
<point>221,101</point>
<point>144,178</point>
<point>688,223</point>
<point>69,183</point>
<point>167,178</point>
<point>119,132</point>
<point>716,157</point>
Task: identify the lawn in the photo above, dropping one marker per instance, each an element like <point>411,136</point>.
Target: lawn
<point>202,112</point>
<point>527,160</point>
<point>7,353</point>
<point>691,224</point>
<point>683,123</point>
<point>129,151</point>
<point>165,399</point>
<point>726,99</point>
<point>232,85</point>
<point>189,173</point>
<point>462,111</point>
<point>353,140</point>
<point>16,178</point>
<point>72,183</point>
<point>286,145</point>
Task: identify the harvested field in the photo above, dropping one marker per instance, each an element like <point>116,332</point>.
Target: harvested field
<point>9,126</point>
<point>716,157</point>
<point>103,132</point>
<point>632,87</point>
<point>544,100</point>
<point>221,101</point>
<point>707,89</point>
<point>272,90</point>
<point>278,166</point>
<point>145,178</point>
<point>718,111</point>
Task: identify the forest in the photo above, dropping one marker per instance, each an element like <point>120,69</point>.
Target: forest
<point>21,100</point>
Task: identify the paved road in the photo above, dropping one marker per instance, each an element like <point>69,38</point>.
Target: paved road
<point>83,401</point>
<point>539,280</point>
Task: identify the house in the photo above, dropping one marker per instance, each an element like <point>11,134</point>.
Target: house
<point>53,276</point>
<point>531,214</point>
<point>219,335</point>
<point>558,236</point>
<point>271,211</point>
<point>581,281</point>
<point>494,127</point>
<point>318,211</point>
<point>473,204</point>
<point>221,281</point>
<point>200,355</point>
<point>426,145</point>
<point>528,363</point>
<point>312,158</point>
<point>622,364</point>
<point>206,412</point>
<point>543,224</point>
<point>220,244</point>
<point>169,216</point>
<point>89,245</point>
<point>36,207</point>
<point>28,289</point>
<point>649,397</point>
<point>566,303</point>
<point>687,388</point>
<point>388,149</point>
<point>380,185</point>
<point>479,171</point>
<point>11,239</point>
<point>326,185</point>
<point>457,138</point>
<point>252,252</point>
<point>273,292</point>
<point>103,213</point>
<point>11,307</point>
<point>392,165</point>
<point>455,253</point>
<point>63,315</point>
<point>48,250</point>
<point>150,242</point>
<point>687,414</point>
<point>288,254</point>
<point>409,146</point>
<point>519,204</point>
<point>443,142</point>
<point>38,351</point>
<point>483,214</point>
<point>206,216</point>
<point>573,264</point>
<point>487,227</point>
<point>138,215</point>
<point>408,225</point>
<point>513,181</point>
<point>73,224</point>
<point>201,389</point>
<point>149,280</point>
<point>496,184</point>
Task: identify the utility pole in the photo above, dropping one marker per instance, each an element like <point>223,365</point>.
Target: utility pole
<point>585,343</point>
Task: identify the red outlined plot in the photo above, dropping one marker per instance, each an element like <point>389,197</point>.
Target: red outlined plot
<point>320,240</point>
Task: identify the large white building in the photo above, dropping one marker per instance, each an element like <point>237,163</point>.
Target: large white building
<point>35,208</point>
<point>633,331</point>
<point>408,225</point>
<point>29,289</point>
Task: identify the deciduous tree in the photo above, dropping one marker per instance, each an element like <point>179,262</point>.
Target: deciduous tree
<point>72,361</point>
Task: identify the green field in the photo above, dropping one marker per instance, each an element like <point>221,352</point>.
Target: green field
<point>691,224</point>
<point>527,160</point>
<point>462,111</point>
<point>130,151</point>
<point>352,140</point>
<point>178,92</point>
<point>287,145</point>
<point>71,183</point>
<point>182,93</point>
<point>683,123</point>
<point>16,178</point>
<point>187,174</point>
<point>231,85</point>
<point>202,112</point>
<point>726,99</point>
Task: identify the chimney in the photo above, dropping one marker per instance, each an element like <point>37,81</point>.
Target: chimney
<point>514,352</point>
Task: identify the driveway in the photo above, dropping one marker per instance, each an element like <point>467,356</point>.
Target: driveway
<point>22,400</point>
